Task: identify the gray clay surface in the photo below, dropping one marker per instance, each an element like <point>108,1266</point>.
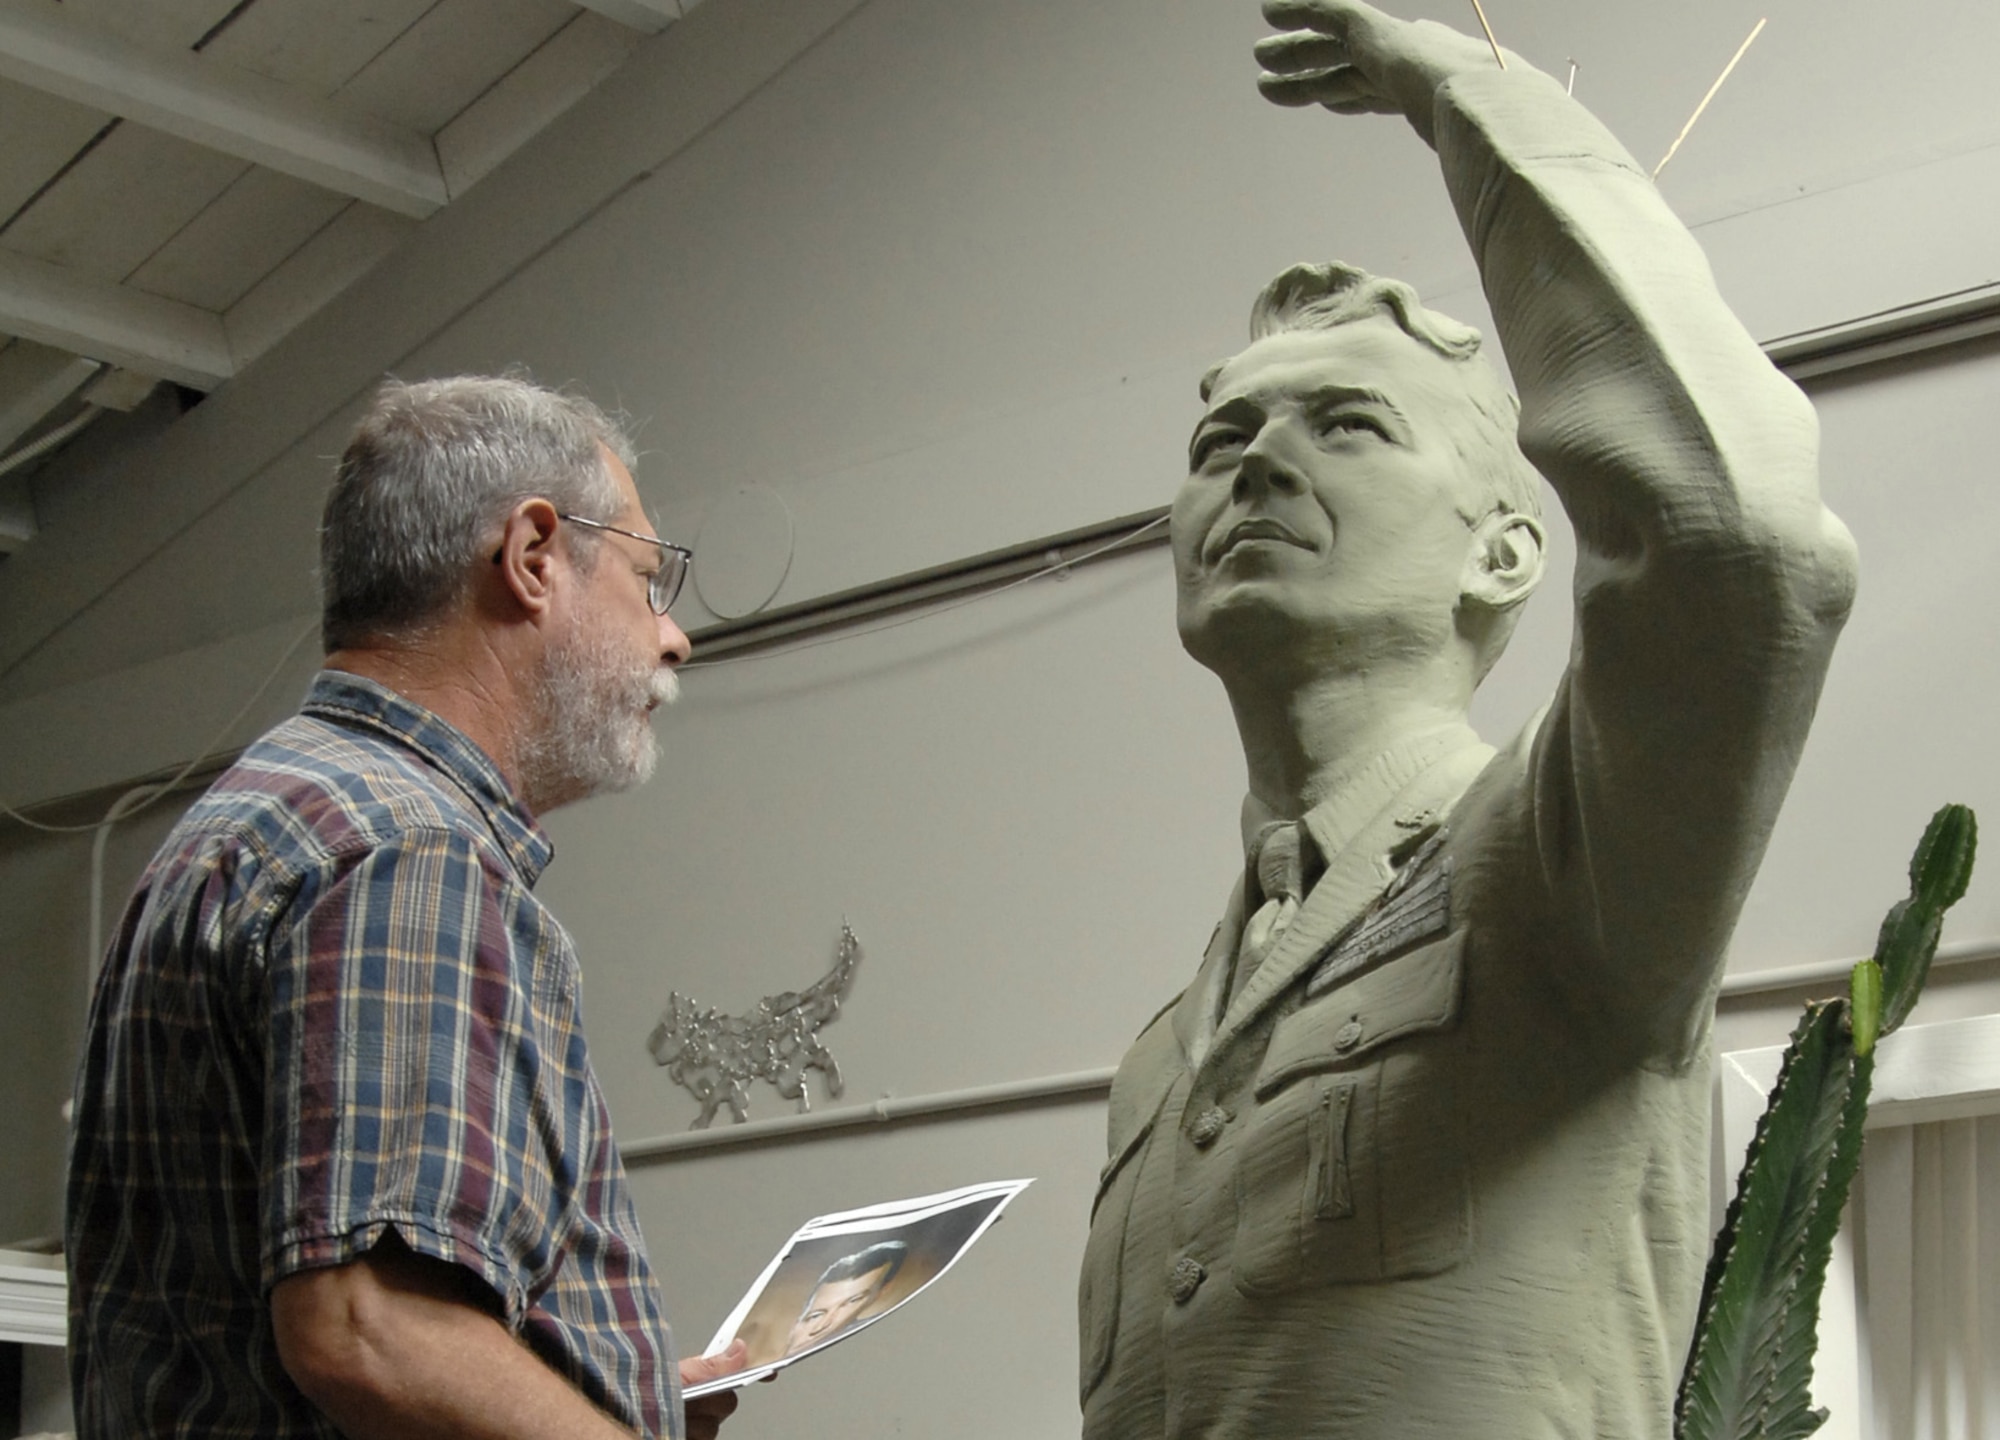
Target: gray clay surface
<point>1438,1166</point>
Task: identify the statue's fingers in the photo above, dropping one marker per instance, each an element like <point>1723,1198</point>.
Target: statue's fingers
<point>1329,17</point>
<point>1301,50</point>
<point>1370,105</point>
<point>1341,85</point>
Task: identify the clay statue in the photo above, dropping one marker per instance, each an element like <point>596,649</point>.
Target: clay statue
<point>1423,1149</point>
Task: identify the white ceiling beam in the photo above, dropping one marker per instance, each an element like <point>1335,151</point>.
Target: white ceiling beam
<point>53,306</point>
<point>34,380</point>
<point>212,103</point>
<point>651,16</point>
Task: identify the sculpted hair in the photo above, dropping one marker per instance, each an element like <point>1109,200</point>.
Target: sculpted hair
<point>429,474</point>
<point>1320,297</point>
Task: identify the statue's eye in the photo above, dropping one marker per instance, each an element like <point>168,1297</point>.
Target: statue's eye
<point>1215,444</point>
<point>1351,422</point>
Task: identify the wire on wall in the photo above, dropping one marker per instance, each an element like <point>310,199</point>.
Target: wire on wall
<point>142,796</point>
<point>168,786</point>
<point>57,437</point>
<point>933,592</point>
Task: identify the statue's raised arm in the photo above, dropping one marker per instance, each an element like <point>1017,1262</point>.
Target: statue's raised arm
<point>1422,1149</point>
<point>1711,581</point>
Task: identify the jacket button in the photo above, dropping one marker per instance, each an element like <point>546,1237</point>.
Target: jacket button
<point>1207,1126</point>
<point>1186,1279</point>
<point>1348,1035</point>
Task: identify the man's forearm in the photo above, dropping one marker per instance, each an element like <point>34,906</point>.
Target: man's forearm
<point>394,1345</point>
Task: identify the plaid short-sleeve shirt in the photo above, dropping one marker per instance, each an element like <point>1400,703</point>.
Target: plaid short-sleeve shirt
<point>334,1008</point>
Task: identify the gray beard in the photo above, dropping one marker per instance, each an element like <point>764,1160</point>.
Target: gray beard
<point>591,732</point>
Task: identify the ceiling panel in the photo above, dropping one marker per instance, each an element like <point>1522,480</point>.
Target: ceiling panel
<point>42,134</point>
<point>317,45</point>
<point>520,103</point>
<point>121,202</point>
<point>171,24</point>
<point>451,57</point>
<point>125,243</point>
<point>246,234</point>
<point>311,276</point>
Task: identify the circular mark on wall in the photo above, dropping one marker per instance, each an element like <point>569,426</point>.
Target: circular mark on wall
<point>744,551</point>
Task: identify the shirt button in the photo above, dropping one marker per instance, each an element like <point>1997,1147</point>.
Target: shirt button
<point>1208,1126</point>
<point>1186,1279</point>
<point>1348,1035</point>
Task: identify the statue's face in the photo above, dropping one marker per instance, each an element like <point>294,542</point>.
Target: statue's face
<point>1321,509</point>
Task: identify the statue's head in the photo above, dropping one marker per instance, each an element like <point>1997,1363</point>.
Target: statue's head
<point>1356,497</point>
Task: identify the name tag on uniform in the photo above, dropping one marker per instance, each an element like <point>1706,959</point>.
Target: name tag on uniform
<point>1415,908</point>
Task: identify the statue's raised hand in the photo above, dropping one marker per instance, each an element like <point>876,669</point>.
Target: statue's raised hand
<point>1355,60</point>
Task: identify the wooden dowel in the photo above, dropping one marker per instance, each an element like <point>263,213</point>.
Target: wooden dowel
<point>1754,33</point>
<point>1480,11</point>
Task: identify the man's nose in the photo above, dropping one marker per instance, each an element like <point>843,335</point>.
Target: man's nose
<point>675,647</point>
<point>1264,468</point>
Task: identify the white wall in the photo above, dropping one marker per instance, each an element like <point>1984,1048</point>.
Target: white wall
<point>943,276</point>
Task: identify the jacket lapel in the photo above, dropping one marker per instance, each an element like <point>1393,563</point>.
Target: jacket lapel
<point>1200,1007</point>
<point>1173,1044</point>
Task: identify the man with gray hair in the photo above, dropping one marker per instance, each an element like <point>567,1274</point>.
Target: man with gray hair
<point>1422,1150</point>
<point>339,1158</point>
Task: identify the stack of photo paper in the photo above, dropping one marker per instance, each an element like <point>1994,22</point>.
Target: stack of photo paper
<point>839,1274</point>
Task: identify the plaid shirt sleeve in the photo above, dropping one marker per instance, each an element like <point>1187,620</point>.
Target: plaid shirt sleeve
<point>426,1070</point>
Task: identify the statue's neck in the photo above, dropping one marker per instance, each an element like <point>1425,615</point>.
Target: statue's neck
<point>1301,740</point>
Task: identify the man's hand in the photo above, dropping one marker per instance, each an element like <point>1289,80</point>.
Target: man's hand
<point>1355,60</point>
<point>705,1413</point>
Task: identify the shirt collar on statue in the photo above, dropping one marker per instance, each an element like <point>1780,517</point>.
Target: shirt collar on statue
<point>1359,794</point>
<point>351,699</point>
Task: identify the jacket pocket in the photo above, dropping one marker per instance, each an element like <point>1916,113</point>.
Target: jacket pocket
<point>1351,1165</point>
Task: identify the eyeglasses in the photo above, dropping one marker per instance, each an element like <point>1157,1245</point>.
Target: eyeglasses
<point>663,582</point>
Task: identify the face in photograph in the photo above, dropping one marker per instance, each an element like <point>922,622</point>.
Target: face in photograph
<point>844,1293</point>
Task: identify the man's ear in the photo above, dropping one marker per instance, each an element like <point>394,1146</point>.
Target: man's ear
<point>1505,560</point>
<point>526,558</point>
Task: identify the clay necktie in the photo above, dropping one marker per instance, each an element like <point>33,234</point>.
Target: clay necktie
<point>1278,859</point>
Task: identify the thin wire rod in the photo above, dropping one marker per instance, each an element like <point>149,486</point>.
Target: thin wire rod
<point>1480,11</point>
<point>1757,30</point>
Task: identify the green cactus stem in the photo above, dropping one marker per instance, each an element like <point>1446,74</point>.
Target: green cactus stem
<point>1749,1371</point>
<point>1864,1006</point>
<point>1939,872</point>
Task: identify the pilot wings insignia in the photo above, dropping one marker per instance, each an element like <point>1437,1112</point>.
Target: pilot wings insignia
<point>1415,906</point>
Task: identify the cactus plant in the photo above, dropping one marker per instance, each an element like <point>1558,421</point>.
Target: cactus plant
<point>1750,1366</point>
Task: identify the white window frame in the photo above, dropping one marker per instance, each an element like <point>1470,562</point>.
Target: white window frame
<point>33,1299</point>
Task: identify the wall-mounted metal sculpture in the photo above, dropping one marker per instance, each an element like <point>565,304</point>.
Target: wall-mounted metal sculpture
<point>716,1056</point>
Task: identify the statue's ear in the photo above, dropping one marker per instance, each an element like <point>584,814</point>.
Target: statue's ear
<point>1505,560</point>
